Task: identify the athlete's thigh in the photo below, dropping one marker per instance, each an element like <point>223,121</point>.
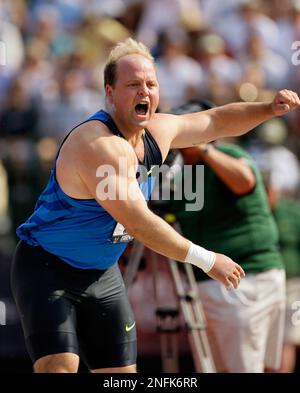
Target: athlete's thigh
<point>116,370</point>
<point>57,363</point>
<point>106,324</point>
<point>47,315</point>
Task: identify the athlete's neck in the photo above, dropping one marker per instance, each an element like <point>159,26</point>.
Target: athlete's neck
<point>132,135</point>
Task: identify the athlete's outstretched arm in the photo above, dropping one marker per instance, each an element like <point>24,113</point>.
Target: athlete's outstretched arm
<point>229,120</point>
<point>128,206</point>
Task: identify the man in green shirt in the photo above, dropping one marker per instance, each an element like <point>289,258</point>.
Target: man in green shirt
<point>244,325</point>
<point>286,212</point>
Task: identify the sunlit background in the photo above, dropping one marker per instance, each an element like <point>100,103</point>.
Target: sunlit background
<point>52,55</point>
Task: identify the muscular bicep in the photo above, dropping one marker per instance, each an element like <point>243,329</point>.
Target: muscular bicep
<point>108,171</point>
<point>185,130</point>
<point>193,129</point>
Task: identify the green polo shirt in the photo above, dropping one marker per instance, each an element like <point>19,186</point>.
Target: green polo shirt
<point>241,227</point>
<point>287,217</point>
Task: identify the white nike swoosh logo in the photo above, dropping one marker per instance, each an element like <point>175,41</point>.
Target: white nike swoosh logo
<point>150,171</point>
<point>129,327</point>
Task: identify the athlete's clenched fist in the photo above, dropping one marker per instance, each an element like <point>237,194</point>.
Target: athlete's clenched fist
<point>284,102</point>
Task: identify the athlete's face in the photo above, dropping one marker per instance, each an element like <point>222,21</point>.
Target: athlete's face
<point>135,95</point>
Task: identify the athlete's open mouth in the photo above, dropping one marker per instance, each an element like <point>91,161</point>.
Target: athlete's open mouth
<point>141,109</point>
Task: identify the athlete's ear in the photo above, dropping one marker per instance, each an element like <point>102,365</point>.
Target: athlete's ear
<point>108,91</point>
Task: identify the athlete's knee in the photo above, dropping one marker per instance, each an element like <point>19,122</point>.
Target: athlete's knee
<point>125,369</point>
<point>57,363</point>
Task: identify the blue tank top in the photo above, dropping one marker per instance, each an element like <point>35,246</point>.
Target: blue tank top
<point>80,231</point>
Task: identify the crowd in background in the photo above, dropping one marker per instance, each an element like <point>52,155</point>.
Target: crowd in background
<point>55,54</point>
<point>51,77</point>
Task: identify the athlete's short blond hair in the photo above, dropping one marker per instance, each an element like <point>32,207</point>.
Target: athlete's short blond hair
<point>123,48</point>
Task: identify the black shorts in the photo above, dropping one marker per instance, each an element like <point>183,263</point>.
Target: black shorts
<point>66,309</point>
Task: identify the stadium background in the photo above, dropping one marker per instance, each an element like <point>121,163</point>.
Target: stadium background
<point>52,55</point>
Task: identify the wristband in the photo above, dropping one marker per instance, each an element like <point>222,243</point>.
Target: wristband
<point>200,257</point>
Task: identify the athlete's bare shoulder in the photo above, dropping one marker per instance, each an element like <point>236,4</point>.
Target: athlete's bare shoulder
<point>86,133</point>
<point>163,127</point>
<point>100,144</point>
<point>88,146</point>
<point>90,138</point>
<point>163,121</point>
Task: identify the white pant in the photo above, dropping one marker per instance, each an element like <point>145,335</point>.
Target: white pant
<point>245,326</point>
<point>292,317</point>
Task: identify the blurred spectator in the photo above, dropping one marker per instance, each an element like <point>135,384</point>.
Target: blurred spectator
<point>11,36</point>
<point>3,193</point>
<point>19,116</point>
<point>216,12</point>
<point>221,72</point>
<point>11,39</point>
<point>265,144</point>
<point>287,17</point>
<point>294,137</point>
<point>160,15</point>
<point>238,26</point>
<point>179,75</point>
<point>37,72</point>
<point>66,12</point>
<point>23,175</point>
<point>4,213</point>
<point>74,103</point>
<point>274,66</point>
<point>245,325</point>
<point>287,215</point>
